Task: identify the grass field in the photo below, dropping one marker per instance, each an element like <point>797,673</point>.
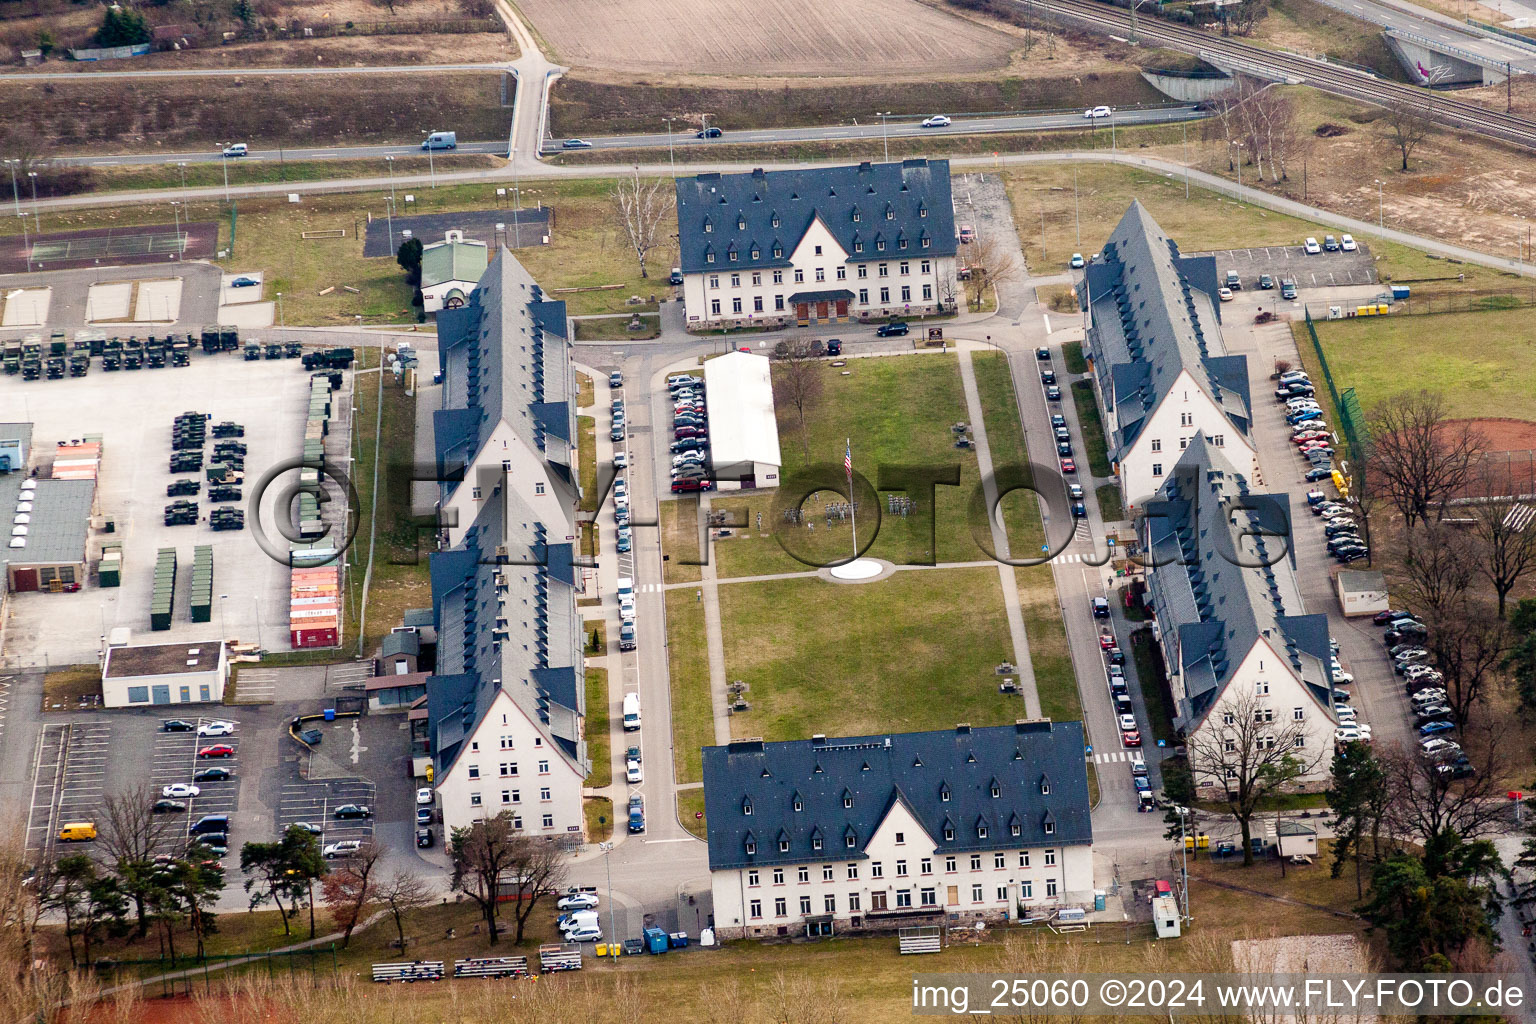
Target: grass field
<point>586,462</point>
<point>585,247</point>
<point>689,803</point>
<point>898,411</point>
<point>616,329</point>
<point>1489,373</point>
<point>599,747</point>
<point>916,651</point>
<point>859,36</point>
<point>1310,27</point>
<point>680,540</point>
<point>63,687</point>
<point>1072,356</point>
<point>99,116</point>
<point>582,104</point>
<point>693,717</point>
<point>1092,426</point>
<point>598,812</point>
<point>258,172</point>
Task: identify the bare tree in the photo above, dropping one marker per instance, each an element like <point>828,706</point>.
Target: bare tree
<point>1431,566</point>
<point>1242,751</point>
<point>797,385</point>
<point>1422,459</point>
<point>1423,801</point>
<point>537,868</point>
<point>352,887</point>
<point>1405,124</point>
<point>482,853</point>
<point>1468,646</point>
<point>642,206</point>
<point>131,836</point>
<point>402,892</point>
<point>990,261</point>
<point>1502,525</point>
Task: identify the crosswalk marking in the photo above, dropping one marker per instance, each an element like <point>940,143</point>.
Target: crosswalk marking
<point>1113,756</point>
<point>650,588</point>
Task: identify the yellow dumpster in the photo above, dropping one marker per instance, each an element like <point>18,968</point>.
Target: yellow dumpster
<point>602,949</point>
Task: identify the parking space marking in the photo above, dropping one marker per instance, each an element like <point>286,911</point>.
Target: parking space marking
<point>257,686</point>
<point>176,761</point>
<point>315,801</point>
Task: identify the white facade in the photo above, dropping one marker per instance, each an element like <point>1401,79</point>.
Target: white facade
<point>904,285</point>
<point>744,432</point>
<point>191,684</point>
<point>1268,678</point>
<point>528,476</point>
<point>900,874</point>
<point>1186,410</point>
<point>509,765</point>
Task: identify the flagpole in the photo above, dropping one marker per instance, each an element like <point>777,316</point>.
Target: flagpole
<point>853,516</point>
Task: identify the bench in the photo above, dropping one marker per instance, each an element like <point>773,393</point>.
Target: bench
<point>554,957</point>
<point>492,967</point>
<point>418,970</point>
<point>920,939</point>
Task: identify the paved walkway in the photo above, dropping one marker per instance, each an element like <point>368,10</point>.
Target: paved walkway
<point>714,639</point>
<point>1009,583</point>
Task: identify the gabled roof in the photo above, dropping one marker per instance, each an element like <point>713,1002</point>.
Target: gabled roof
<point>1154,316</point>
<point>1223,580</point>
<point>442,262</point>
<point>875,773</point>
<point>874,211</point>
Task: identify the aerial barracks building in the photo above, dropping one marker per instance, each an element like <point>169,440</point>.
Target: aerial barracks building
<point>818,836</point>
<point>824,245</point>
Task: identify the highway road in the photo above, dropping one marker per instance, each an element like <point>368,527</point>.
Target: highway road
<point>402,69</point>
<point>815,133</point>
<point>981,125</point>
<point>1406,16</point>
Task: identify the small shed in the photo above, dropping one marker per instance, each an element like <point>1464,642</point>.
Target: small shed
<point>395,693</point>
<point>400,650</point>
<point>164,674</point>
<point>1361,592</point>
<point>1295,838</point>
<point>1165,916</point>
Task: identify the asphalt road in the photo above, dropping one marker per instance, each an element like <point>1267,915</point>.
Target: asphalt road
<point>1409,17</point>
<point>817,133</point>
<point>895,129</point>
<point>57,76</point>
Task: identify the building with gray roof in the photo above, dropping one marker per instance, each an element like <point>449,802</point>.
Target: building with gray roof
<point>1161,371</point>
<point>1229,614</point>
<point>507,704</point>
<point>811,836</point>
<point>817,245</point>
<point>48,522</point>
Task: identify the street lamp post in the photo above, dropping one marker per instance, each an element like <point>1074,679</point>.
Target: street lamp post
<point>1381,212</point>
<point>223,159</point>
<point>1239,146</point>
<point>26,244</point>
<point>1184,852</point>
<point>885,141</point>
<point>280,310</point>
<point>389,214</point>
<point>670,157</point>
<point>613,929</point>
<point>37,219</point>
<point>431,166</point>
<point>15,193</point>
<point>389,162</point>
<point>182,167</point>
<point>176,217</point>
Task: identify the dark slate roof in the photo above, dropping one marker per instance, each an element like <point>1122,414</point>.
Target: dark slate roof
<point>1155,314</point>
<point>504,356</point>
<point>764,211</point>
<point>826,295</point>
<point>400,643</point>
<point>1213,595</point>
<point>917,768</point>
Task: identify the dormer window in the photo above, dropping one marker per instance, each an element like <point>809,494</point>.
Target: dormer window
<point>709,226</point>
<point>922,211</point>
<point>880,244</point>
<point>1050,828</point>
<point>847,798</point>
<point>1045,785</point>
<point>849,839</point>
<point>783,845</point>
<point>746,807</point>
<point>730,254</point>
<point>816,842</point>
<point>855,216</point>
<point>925,241</point>
<point>1014,829</point>
<point>944,793</point>
<point>890,213</point>
<point>751,848</point>
<point>981,831</point>
<point>756,252</point>
<point>858,246</point>
<point>901,243</point>
<point>709,257</point>
<point>798,804</point>
<point>775,220</point>
<point>996,791</point>
<point>778,251</point>
<point>741,223</point>
<point>949,835</point>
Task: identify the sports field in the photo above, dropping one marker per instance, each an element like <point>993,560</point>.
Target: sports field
<point>768,37</point>
<point>1480,362</point>
<point>151,243</point>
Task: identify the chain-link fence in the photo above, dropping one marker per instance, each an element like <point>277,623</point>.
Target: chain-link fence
<point>1350,419</point>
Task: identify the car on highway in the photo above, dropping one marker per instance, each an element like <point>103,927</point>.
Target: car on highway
<point>1310,247</point>
<point>235,149</point>
<point>575,144</point>
<point>1347,243</point>
<point>1099,111</point>
<point>344,848</point>
<point>353,811</point>
<point>217,750</point>
<point>216,728</point>
<point>213,775</point>
<point>895,330</point>
<point>708,133</point>
<point>1076,262</point>
<point>936,121</point>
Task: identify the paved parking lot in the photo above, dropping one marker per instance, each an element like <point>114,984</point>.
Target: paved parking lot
<point>70,772</point>
<point>316,800</point>
<point>1324,270</point>
<point>134,413</point>
<point>174,759</point>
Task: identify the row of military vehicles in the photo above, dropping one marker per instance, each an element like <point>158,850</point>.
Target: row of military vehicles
<point>33,358</point>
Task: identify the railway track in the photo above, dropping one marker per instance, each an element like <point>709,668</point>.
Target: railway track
<point>1330,78</point>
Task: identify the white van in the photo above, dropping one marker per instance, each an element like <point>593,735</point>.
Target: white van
<point>238,149</point>
<point>579,919</point>
<point>626,586</point>
<point>631,712</point>
<point>441,140</point>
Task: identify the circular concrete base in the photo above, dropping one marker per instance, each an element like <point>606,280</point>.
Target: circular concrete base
<point>860,570</point>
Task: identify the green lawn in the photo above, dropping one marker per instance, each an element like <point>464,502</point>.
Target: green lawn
<point>1072,356</point>
<point>1480,362</point>
<point>680,540</point>
<point>693,720</point>
<point>586,461</point>
<point>916,651</point>
<point>1111,505</point>
<point>1005,437</point>
<point>1092,426</point>
<point>690,802</point>
<point>598,742</point>
<point>897,411</point>
<point>1154,685</point>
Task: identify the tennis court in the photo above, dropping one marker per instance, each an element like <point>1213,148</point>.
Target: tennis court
<point>151,243</point>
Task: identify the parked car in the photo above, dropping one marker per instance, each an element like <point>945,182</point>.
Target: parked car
<point>1068,466</point>
<point>1319,473</point>
<point>217,750</point>
<point>213,775</point>
<point>423,837</point>
<point>936,121</point>
<point>1100,608</point>
<point>891,330</point>
<point>1436,728</point>
<point>353,811</point>
<point>344,848</point>
<point>684,380</point>
<point>1382,618</point>
<point>1287,288</point>
<point>180,790</point>
<point>177,725</point>
<point>1457,768</point>
<point>424,796</point>
<point>216,729</point>
<point>1347,243</point>
<point>168,807</point>
<point>632,772</point>
<point>1053,393</point>
<point>577,901</point>
<point>1076,262</point>
<point>305,826</point>
<point>1310,247</point>
<point>1266,282</point>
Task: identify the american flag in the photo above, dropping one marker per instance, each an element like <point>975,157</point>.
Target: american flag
<point>848,459</point>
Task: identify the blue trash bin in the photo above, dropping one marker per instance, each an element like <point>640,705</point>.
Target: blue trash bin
<point>330,714</point>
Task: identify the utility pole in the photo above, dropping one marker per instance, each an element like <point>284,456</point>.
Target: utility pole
<point>671,158</point>
<point>1184,125</point>
<point>1077,215</point>
<point>884,136</point>
<point>224,159</point>
<point>15,193</point>
<point>36,217</point>
<point>1381,217</point>
<point>431,166</point>
<point>613,929</point>
<point>181,166</point>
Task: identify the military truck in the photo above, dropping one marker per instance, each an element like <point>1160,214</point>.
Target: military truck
<point>183,488</point>
<point>252,351</point>
<point>328,359</point>
<point>80,364</point>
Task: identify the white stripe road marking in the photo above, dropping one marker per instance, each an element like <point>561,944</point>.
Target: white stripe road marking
<point>659,841</point>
